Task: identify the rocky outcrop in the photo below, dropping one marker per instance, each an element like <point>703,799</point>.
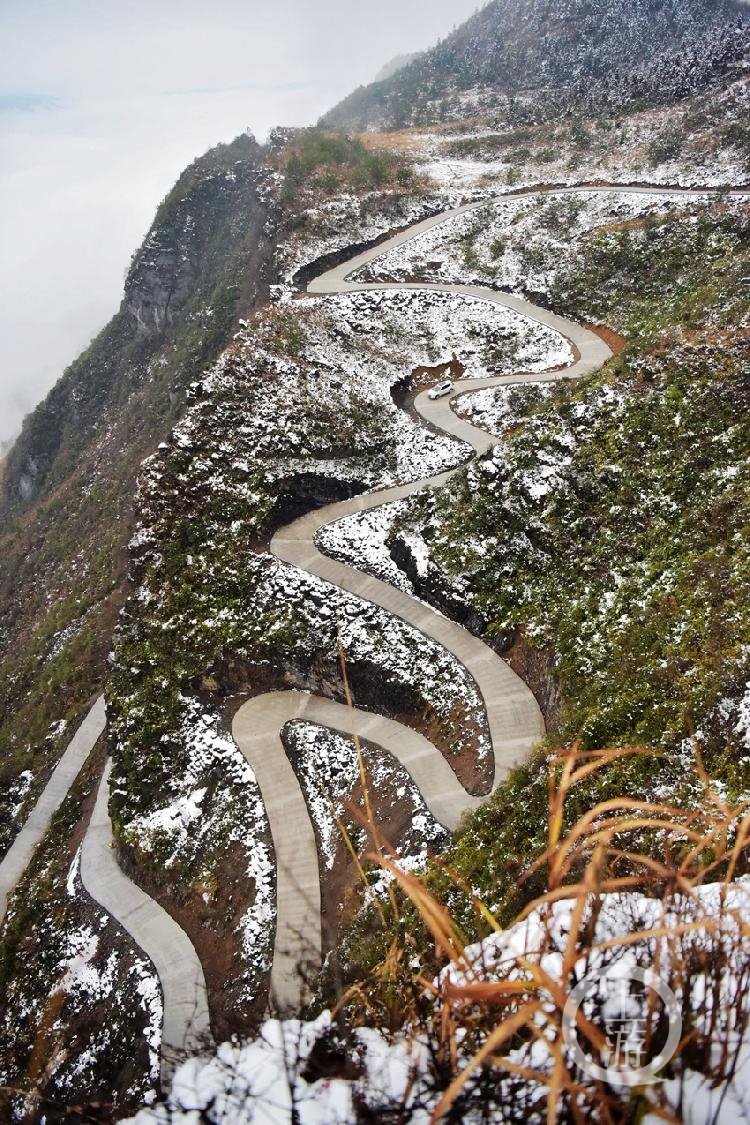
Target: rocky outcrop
<point>429,584</point>
<point>203,263</point>
<point>210,197</point>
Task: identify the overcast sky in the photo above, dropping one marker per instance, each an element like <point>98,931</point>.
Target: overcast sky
<point>139,89</point>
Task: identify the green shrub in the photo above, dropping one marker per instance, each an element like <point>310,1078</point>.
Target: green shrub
<point>666,146</point>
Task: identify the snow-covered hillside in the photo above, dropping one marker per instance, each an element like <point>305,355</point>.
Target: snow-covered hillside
<point>525,58</point>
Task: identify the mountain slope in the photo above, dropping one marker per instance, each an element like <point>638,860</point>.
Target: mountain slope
<point>395,64</point>
<point>177,267</point>
<point>552,56</point>
<point>302,403</point>
<point>68,483</point>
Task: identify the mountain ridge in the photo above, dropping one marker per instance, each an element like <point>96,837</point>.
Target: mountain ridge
<point>543,58</point>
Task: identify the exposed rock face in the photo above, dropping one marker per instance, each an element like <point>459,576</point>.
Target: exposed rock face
<point>162,277</point>
<point>27,478</point>
<point>305,492</point>
<point>429,585</point>
<point>203,263</point>
<point>552,57</point>
<point>177,249</point>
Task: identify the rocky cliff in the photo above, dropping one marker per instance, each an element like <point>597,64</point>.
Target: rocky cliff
<point>192,270</point>
<point>68,483</point>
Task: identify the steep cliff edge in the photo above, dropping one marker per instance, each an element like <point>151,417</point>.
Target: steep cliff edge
<point>192,270</point>
<point>69,480</point>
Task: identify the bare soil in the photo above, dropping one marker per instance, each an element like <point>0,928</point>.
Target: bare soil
<point>611,338</point>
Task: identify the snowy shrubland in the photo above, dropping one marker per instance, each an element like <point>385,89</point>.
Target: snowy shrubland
<point>361,540</point>
<point>430,327</point>
<point>278,1074</point>
<point>700,142</point>
<point>328,767</point>
<point>518,243</point>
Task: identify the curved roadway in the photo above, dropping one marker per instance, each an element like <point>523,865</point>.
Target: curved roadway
<point>514,720</point>
<point>257,730</point>
<point>185,1027</point>
<point>513,716</point>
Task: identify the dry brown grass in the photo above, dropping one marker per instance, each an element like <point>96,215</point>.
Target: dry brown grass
<point>652,849</point>
<point>403,141</point>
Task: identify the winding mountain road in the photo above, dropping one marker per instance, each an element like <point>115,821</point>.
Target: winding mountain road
<point>513,716</point>
<point>514,720</point>
<point>186,1024</point>
<point>185,1027</point>
<point>257,730</point>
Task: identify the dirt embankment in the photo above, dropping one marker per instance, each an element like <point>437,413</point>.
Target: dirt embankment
<point>612,339</point>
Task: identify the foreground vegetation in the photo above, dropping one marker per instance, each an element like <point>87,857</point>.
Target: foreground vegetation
<point>609,533</point>
<point>443,1030</point>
